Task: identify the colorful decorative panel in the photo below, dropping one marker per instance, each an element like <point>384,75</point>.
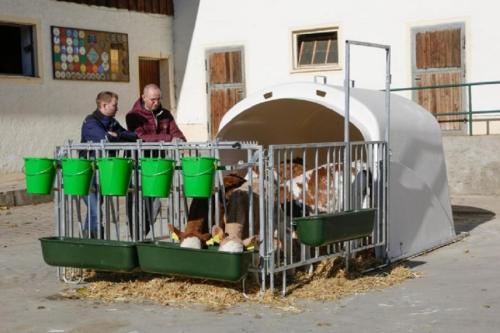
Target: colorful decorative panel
<point>79,54</point>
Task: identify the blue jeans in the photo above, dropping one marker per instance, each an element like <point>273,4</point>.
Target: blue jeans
<point>91,216</point>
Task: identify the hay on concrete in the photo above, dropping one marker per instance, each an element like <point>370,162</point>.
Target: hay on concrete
<point>329,281</point>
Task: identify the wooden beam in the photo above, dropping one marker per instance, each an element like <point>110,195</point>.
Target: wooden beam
<point>163,7</point>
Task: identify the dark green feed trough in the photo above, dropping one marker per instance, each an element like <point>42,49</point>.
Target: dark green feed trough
<point>170,258</point>
<point>106,255</point>
<point>329,228</point>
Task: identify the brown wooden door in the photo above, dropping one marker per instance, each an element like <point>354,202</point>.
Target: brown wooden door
<point>149,72</point>
<point>225,84</point>
<point>439,60</point>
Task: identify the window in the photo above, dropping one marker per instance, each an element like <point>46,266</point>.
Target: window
<point>18,55</point>
<point>316,49</point>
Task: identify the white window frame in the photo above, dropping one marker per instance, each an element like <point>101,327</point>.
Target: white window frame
<point>314,67</point>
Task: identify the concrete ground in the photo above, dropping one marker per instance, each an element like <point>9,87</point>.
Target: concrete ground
<point>459,292</point>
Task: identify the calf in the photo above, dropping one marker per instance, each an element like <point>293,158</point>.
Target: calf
<point>320,190</point>
<point>199,208</point>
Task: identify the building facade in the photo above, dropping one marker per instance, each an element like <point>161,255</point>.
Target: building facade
<point>210,54</point>
<point>38,108</point>
<point>234,48</point>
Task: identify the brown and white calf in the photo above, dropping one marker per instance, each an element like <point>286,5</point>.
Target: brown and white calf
<point>321,190</point>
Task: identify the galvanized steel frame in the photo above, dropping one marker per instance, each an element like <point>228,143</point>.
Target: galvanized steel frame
<point>369,156</point>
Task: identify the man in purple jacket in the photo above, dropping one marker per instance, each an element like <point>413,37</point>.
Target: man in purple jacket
<point>152,123</point>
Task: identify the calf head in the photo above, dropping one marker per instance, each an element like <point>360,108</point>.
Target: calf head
<point>192,237</point>
<point>230,238</point>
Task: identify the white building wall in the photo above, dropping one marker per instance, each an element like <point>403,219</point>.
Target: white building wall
<point>264,28</point>
<point>36,114</point>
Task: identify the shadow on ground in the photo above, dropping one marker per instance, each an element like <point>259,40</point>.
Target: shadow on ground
<point>467,218</point>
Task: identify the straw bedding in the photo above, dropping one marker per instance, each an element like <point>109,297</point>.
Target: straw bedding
<point>328,281</point>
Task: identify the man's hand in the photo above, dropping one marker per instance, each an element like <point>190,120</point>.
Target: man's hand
<point>113,134</point>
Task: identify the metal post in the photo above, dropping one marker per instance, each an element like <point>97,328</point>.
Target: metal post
<point>263,249</point>
<point>469,92</point>
<point>387,156</point>
<point>347,154</point>
<point>347,142</point>
<point>270,224</point>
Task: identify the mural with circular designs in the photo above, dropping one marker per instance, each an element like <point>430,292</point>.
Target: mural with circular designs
<point>91,55</point>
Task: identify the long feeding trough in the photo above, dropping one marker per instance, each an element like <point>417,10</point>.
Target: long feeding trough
<point>419,211</point>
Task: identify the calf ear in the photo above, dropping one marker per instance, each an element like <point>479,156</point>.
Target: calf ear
<point>205,237</point>
<point>250,240</point>
<point>174,230</point>
<point>233,181</point>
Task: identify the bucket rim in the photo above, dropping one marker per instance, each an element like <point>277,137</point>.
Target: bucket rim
<point>26,158</point>
<point>106,159</point>
<point>193,158</point>
<point>154,159</point>
<point>80,159</point>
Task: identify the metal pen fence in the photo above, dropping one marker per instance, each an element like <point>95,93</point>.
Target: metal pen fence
<point>307,180</point>
<point>266,204</point>
<point>464,116</point>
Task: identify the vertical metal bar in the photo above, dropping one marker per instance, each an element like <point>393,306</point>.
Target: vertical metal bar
<point>262,219</point>
<point>215,208</point>
<point>388,142</point>
<point>316,181</point>
<point>270,197</point>
<point>117,220</point>
<point>70,201</point>
<point>285,216</point>
<point>356,188</point>
<point>57,206</point>
<point>347,152</point>
<point>469,93</point>
<point>328,180</point>
<point>101,153</point>
<point>250,196</point>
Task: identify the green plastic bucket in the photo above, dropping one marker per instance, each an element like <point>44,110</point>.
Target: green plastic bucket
<point>198,175</point>
<point>77,175</point>
<point>40,174</point>
<point>156,177</point>
<point>114,175</point>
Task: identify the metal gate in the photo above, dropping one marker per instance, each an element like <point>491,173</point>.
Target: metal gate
<point>307,180</point>
<point>266,202</point>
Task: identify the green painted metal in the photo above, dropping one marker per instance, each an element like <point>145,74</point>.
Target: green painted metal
<point>483,83</point>
<point>106,255</point>
<point>40,174</point>
<point>470,112</point>
<point>170,258</point>
<point>323,229</point>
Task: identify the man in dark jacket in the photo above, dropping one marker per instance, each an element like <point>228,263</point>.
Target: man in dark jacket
<point>97,126</point>
<point>152,123</point>
<point>102,125</point>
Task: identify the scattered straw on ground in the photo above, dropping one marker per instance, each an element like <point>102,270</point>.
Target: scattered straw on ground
<point>327,282</point>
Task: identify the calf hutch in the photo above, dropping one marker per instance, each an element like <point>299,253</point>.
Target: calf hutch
<point>418,208</point>
<point>298,172</point>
